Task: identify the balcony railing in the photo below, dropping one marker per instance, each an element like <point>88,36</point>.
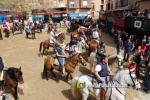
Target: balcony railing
<point>122,4</point>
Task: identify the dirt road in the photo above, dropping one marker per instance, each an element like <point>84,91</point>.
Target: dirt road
<point>18,51</point>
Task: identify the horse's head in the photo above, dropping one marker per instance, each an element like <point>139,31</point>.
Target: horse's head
<point>132,80</point>
<point>81,60</point>
<point>18,75</point>
<point>126,77</point>
<point>120,61</point>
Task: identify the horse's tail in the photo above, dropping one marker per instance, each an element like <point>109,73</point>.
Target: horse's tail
<point>74,89</point>
<point>40,47</point>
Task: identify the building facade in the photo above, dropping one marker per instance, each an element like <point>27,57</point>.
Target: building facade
<point>79,6</point>
<point>98,5</point>
<point>116,5</point>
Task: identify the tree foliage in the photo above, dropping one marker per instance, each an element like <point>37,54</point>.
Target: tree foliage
<point>14,5</point>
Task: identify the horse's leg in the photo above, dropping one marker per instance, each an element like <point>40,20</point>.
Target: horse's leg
<point>45,72</point>
<point>71,76</point>
<point>16,93</point>
<point>13,92</point>
<point>67,76</point>
<point>85,95</point>
<point>51,70</point>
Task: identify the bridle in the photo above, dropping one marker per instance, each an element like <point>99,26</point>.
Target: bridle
<point>130,72</point>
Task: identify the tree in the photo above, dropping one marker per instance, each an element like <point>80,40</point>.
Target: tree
<point>14,5</point>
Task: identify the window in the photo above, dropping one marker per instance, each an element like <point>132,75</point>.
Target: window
<point>85,4</point>
<point>54,3</point>
<point>72,4</point>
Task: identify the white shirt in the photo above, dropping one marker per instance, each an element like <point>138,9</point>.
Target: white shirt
<point>98,68</point>
<point>37,22</point>
<point>95,34</point>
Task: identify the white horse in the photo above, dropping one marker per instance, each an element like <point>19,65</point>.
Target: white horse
<point>123,78</point>
<point>77,48</point>
<point>111,60</point>
<point>65,24</point>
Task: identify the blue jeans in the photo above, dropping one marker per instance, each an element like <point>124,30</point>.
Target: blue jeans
<point>54,40</point>
<point>60,60</point>
<point>126,52</point>
<point>102,83</point>
<point>118,50</point>
<point>84,37</point>
<point>98,39</point>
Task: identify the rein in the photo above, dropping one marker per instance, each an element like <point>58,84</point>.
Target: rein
<point>118,89</point>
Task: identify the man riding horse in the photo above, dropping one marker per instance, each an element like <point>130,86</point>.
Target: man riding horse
<point>101,72</point>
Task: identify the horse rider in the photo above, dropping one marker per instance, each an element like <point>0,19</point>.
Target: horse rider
<point>60,55</point>
<point>96,35</point>
<point>52,37</point>
<point>51,21</point>
<point>64,20</point>
<point>2,68</point>
<point>102,70</point>
<point>29,26</point>
<point>82,33</point>
<point>73,42</point>
<point>101,51</point>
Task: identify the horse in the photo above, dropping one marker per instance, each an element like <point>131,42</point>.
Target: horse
<point>46,44</point>
<point>14,28</point>
<point>12,77</point>
<point>1,37</point>
<point>7,32</point>
<point>78,47</point>
<point>38,27</point>
<point>71,63</point>
<point>84,84</point>
<point>32,32</point>
<point>111,60</point>
<point>93,45</point>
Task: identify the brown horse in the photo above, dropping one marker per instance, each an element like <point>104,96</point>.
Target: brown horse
<point>46,44</point>
<point>20,28</point>
<point>69,66</point>
<point>93,45</point>
<point>12,77</point>
<point>32,33</point>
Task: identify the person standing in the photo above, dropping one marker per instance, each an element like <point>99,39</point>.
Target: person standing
<point>101,72</point>
<point>128,48</point>
<point>147,77</point>
<point>119,46</point>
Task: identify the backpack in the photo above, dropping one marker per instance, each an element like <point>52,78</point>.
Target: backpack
<point>1,64</point>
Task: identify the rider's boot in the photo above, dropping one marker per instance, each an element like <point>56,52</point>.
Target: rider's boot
<point>61,71</point>
<point>103,92</point>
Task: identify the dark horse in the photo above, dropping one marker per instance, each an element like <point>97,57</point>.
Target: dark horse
<point>70,65</point>
<point>38,28</point>
<point>32,33</point>
<point>46,44</point>
<point>1,37</point>
<point>20,28</point>
<point>12,77</point>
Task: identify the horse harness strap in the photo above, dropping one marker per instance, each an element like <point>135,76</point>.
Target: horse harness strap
<point>119,90</point>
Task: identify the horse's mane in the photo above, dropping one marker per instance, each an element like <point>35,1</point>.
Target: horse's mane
<point>112,59</point>
<point>120,72</point>
<point>72,55</point>
<point>10,72</point>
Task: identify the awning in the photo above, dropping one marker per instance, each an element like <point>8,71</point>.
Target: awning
<point>60,12</point>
